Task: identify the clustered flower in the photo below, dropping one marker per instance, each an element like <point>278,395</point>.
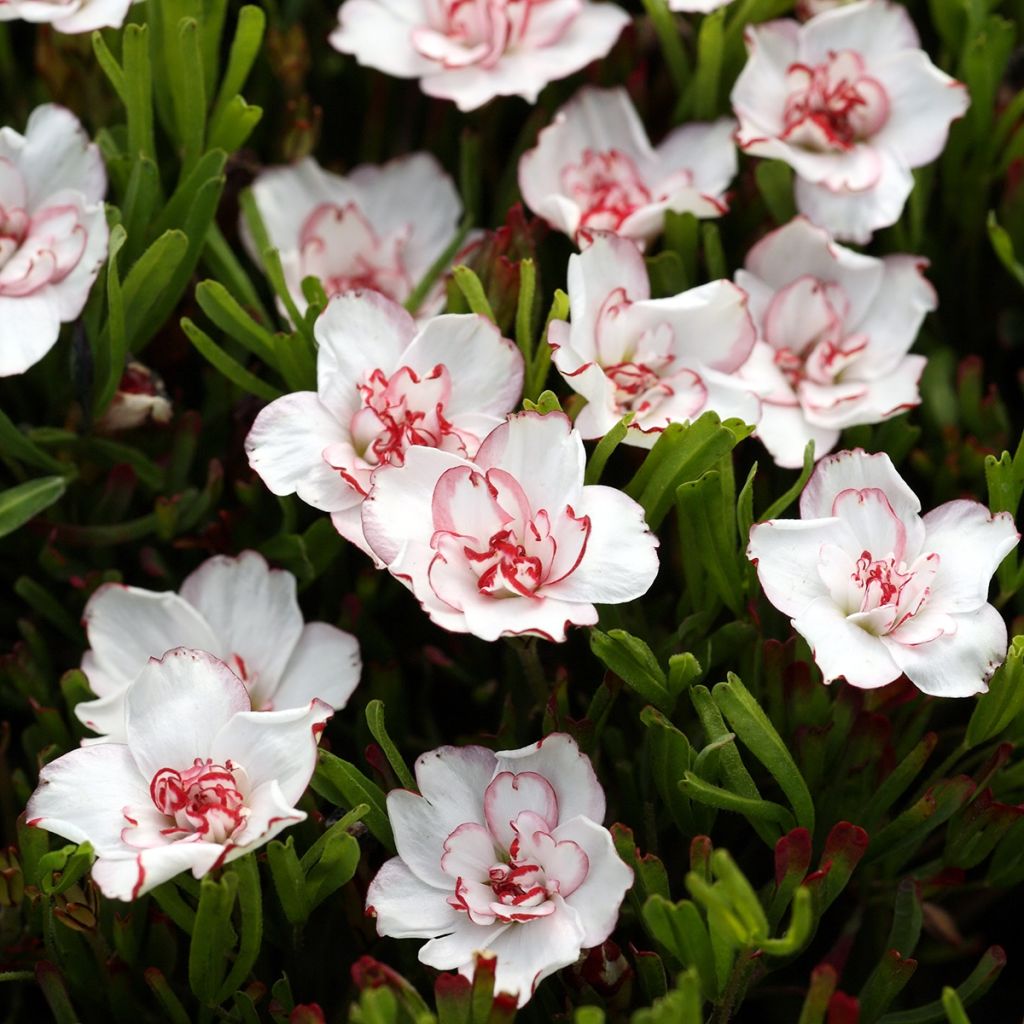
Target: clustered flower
<point>209,703</point>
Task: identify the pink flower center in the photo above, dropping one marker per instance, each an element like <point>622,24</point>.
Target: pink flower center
<point>505,566</point>
<point>13,229</point>
<point>881,580</point>
<point>339,246</point>
<point>461,33</point>
<point>833,105</point>
<point>204,799</point>
<point>607,187</point>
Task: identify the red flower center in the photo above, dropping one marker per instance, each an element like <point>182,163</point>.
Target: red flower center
<point>833,105</point>
<point>607,187</point>
<point>204,799</point>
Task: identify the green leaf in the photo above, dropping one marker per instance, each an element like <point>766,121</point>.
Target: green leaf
<point>213,936</point>
<point>633,662</point>
<point>680,929</point>
<point>332,860</point>
<point>250,906</point>
<point>138,94</point>
<point>341,782</point>
<point>755,729</point>
<point>604,449</point>
<point>666,27</point>
<point>708,73</point>
<point>953,1007</point>
<point>800,930</point>
<point>547,402</point>
<point>235,125</point>
<point>537,371</point>
<point>976,985</point>
<point>714,254</point>
<point>759,810</point>
<point>14,444</point>
<point>109,358</point>
<point>61,869</point>
<point>780,505</point>
<point>473,291</point>
<point>775,183</point>
<point>245,48</point>
<point>1002,244</point>
<point>222,309</point>
<point>226,365</point>
<point>1003,702</point>
<point>670,758</point>
<point>148,281</point>
<point>108,62</point>
<point>524,307</point>
<point>289,879</point>
<point>375,720</point>
<point>21,503</point>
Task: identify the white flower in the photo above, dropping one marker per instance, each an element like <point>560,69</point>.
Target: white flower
<point>511,542</point>
<point>384,387</point>
<point>470,51</point>
<point>200,779</point>
<point>878,590</point>
<point>140,398</point>
<point>594,168</point>
<point>53,231</point>
<point>665,360</point>
<point>851,101</point>
<point>697,6</point>
<point>379,228</point>
<point>505,853</point>
<point>238,609</point>
<point>834,328</point>
<point>68,15</point>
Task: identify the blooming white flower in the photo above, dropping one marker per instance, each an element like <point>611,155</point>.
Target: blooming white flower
<point>384,387</point>
<point>470,51</point>
<point>697,6</point>
<point>53,231</point>
<point>834,328</point>
<point>511,542</point>
<point>851,101</point>
<point>199,780</point>
<point>593,168</point>
<point>140,398</point>
<point>502,853</point>
<point>68,15</point>
<point>379,227</point>
<point>876,589</point>
<point>238,609</point>
<point>665,360</point>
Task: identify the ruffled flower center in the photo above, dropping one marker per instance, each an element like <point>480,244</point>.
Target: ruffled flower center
<point>512,868</point>
<point>479,32</point>
<point>37,250</point>
<point>833,105</point>
<point>489,541</point>
<point>339,246</point>
<point>396,413</point>
<point>204,800</point>
<point>607,187</point>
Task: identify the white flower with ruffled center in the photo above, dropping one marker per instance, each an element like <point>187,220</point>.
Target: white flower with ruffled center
<point>503,853</point>
<point>238,609</point>
<point>470,51</point>
<point>200,780</point>
<point>53,232</point>
<point>664,360</point>
<point>851,101</point>
<point>879,591</point>
<point>834,328</point>
<point>594,169</point>
<point>385,387</point>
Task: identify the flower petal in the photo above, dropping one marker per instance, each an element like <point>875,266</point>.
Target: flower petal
<point>123,878</point>
<point>786,553</point>
<point>176,707</point>
<point>254,613</point>
<point>325,664</point>
<point>407,907</point>
<point>857,470</point>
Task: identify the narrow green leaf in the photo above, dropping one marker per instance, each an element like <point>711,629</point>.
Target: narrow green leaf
<point>245,47</point>
<point>226,365</point>
<point>21,503</point>
<point>14,444</point>
<point>524,307</point>
<point>250,905</point>
<point>222,309</point>
<point>604,449</point>
<point>633,662</point>
<point>341,782</point>
<point>753,810</point>
<point>473,291</point>
<point>776,508</point>
<point>378,727</point>
<point>108,62</point>
<point>997,708</point>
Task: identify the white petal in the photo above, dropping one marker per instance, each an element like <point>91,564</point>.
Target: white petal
<point>72,292</point>
<point>452,781</point>
<point>844,650</point>
<point>960,664</point>
<point>58,155</point>
<point>598,898</point>
<point>176,707</point>
<point>970,543</point>
<point>786,553</point>
<point>456,949</point>
<point>358,332</point>
<point>706,150</point>
<point>620,560</point>
<point>83,794</point>
<point>379,35</point>
<point>127,626</point>
<point>923,101</point>
<point>254,613</point>
<point>856,470</point>
<point>94,14</point>
<point>274,746</point>
<point>528,953</point>
<point>785,431</point>
<point>406,907</point>
<point>486,369</point>
<point>104,716</point>
<point>128,878</point>
<point>270,813</point>
<point>411,195</point>
<point>872,28</point>
<point>286,445</point>
<point>854,215</point>
<point>760,93</point>
<point>325,664</point>
<point>397,518</point>
<point>29,328</point>
<point>570,772</point>
<point>543,453</point>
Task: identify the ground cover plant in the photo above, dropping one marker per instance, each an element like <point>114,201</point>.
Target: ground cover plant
<point>508,511</point>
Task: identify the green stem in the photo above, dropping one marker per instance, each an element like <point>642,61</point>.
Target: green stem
<point>529,658</point>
